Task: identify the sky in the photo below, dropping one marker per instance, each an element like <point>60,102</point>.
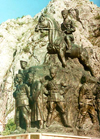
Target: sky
<point>11,9</point>
<point>97,2</point>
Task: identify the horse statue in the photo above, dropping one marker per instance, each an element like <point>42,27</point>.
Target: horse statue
<point>57,44</point>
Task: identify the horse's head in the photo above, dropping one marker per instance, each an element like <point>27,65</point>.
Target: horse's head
<point>42,24</point>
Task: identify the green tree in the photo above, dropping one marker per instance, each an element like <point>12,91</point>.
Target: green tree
<point>10,126</point>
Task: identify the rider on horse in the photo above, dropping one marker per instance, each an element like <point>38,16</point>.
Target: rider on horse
<point>68,28</point>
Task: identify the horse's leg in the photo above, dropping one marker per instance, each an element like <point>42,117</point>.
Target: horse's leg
<point>84,59</point>
<point>86,64</point>
<point>90,68</point>
<point>46,58</point>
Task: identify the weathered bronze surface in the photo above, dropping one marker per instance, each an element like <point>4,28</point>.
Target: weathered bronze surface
<point>86,104</point>
<point>61,95</point>
<point>68,27</point>
<point>61,41</point>
<point>22,96</point>
<point>35,90</point>
<point>55,98</point>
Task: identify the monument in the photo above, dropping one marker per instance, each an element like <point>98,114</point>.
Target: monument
<point>59,96</point>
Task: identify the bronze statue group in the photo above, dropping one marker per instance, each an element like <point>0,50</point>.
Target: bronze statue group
<point>31,108</point>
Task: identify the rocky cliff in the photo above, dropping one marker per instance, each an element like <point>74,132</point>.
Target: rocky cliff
<point>19,41</point>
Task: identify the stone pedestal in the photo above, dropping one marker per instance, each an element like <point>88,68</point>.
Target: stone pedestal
<point>44,136</point>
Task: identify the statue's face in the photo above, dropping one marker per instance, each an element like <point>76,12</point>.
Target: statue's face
<point>23,64</point>
<point>30,79</point>
<point>64,15</point>
<point>19,79</point>
<point>52,73</point>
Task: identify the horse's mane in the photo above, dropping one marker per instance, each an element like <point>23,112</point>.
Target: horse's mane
<point>56,23</point>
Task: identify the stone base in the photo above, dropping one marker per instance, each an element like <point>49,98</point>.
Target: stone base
<point>43,136</point>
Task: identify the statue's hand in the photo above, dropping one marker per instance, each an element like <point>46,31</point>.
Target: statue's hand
<point>68,31</point>
<point>42,80</point>
<point>62,92</point>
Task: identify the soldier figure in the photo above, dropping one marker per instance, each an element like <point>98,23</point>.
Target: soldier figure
<point>55,98</point>
<point>36,106</point>
<point>22,96</point>
<point>97,94</point>
<point>86,103</point>
<point>68,28</point>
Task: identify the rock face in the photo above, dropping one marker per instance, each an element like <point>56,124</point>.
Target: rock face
<point>19,41</point>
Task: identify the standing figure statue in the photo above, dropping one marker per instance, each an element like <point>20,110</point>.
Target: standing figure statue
<point>86,103</point>
<point>97,94</point>
<point>36,106</point>
<point>55,98</point>
<point>68,28</point>
<point>22,96</point>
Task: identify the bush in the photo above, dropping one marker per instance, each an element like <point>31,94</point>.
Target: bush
<point>10,126</point>
<point>23,16</point>
<point>97,17</point>
<point>26,49</point>
<point>17,18</point>
<point>1,35</point>
<point>21,23</point>
<point>45,10</point>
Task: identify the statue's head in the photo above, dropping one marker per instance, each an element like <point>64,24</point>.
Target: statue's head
<point>42,23</point>
<point>23,64</point>
<point>64,13</point>
<point>19,78</point>
<point>30,78</point>
<point>53,72</point>
<point>42,18</point>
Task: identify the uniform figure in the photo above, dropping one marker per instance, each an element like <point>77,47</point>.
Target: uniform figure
<point>36,106</point>
<point>68,28</point>
<point>22,96</point>
<point>97,94</point>
<point>87,103</point>
<point>55,98</point>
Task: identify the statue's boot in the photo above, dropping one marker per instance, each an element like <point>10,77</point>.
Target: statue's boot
<point>28,128</point>
<point>18,130</point>
<point>41,124</point>
<point>65,120</point>
<point>48,120</point>
<point>48,123</point>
